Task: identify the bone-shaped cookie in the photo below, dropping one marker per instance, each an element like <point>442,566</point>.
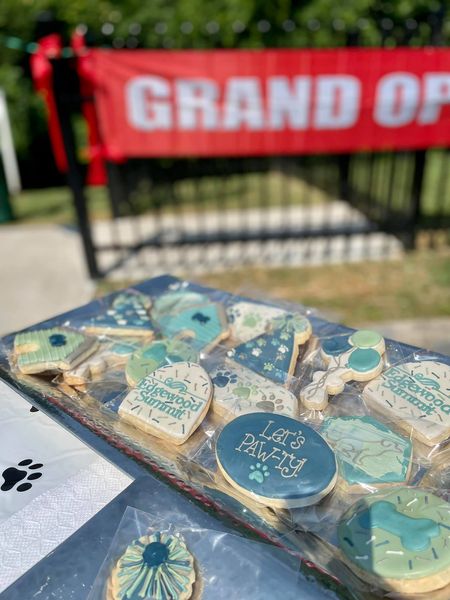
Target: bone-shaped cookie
<point>357,357</point>
<point>414,534</point>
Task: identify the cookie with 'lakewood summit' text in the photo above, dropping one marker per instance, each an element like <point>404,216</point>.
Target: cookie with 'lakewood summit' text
<point>416,397</point>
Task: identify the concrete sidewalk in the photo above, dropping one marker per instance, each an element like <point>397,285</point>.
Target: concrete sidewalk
<point>42,273</point>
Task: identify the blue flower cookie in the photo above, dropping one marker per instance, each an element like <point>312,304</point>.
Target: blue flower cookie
<point>399,540</point>
<point>153,567</point>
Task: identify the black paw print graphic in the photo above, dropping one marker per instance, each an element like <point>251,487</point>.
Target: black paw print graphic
<point>12,476</point>
<point>223,378</point>
<point>34,409</point>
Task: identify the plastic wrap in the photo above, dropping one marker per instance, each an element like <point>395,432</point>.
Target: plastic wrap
<point>385,423</point>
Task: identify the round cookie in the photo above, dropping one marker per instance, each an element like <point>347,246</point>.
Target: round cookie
<point>153,567</point>
<point>170,403</point>
<point>367,451</point>
<point>399,540</point>
<point>155,355</point>
<point>276,460</point>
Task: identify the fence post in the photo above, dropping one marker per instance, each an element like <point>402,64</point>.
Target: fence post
<point>63,97</point>
<point>416,197</point>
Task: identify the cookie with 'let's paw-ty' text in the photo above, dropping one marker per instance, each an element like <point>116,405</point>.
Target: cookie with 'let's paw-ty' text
<point>416,397</point>
<point>170,403</point>
<point>154,567</point>
<point>399,540</point>
<point>275,460</point>
<point>54,349</point>
<point>356,357</point>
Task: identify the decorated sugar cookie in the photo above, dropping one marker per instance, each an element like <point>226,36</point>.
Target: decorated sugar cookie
<point>357,357</point>
<point>176,301</point>
<point>398,541</point>
<point>416,396</point>
<point>107,356</point>
<point>367,451</point>
<point>55,349</point>
<point>157,354</point>
<point>274,354</point>
<point>238,390</point>
<point>154,567</point>
<point>249,320</point>
<point>128,315</point>
<point>276,460</point>
<point>170,403</point>
<point>204,326</point>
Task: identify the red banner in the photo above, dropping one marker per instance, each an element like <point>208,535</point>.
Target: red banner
<point>262,102</point>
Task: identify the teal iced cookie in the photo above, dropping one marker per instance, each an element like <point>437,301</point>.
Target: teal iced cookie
<point>157,354</point>
<point>368,452</point>
<point>154,567</point>
<point>398,540</point>
<point>52,349</point>
<point>128,315</point>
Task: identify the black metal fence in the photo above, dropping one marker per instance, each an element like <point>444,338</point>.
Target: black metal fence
<point>209,213</point>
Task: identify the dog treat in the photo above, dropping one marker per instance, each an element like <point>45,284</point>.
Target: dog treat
<point>415,395</point>
<point>157,354</point>
<point>357,357</point>
<point>249,320</point>
<point>238,390</point>
<point>55,349</point>
<point>398,541</point>
<point>154,567</point>
<point>205,326</point>
<point>367,451</point>
<point>127,316</point>
<point>170,403</point>
<point>274,354</point>
<point>107,356</point>
<point>276,460</point>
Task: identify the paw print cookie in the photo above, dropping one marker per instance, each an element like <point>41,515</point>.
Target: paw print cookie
<point>358,357</point>
<point>398,541</point>
<point>275,460</point>
<point>55,349</point>
<point>157,567</point>
<point>274,354</point>
<point>249,319</point>
<point>238,391</point>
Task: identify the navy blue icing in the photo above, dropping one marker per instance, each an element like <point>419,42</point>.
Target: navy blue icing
<point>336,345</point>
<point>276,457</point>
<point>57,340</point>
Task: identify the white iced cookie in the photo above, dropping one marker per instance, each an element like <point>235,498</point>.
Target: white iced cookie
<point>239,391</point>
<point>357,357</point>
<point>106,357</point>
<point>249,320</point>
<point>170,403</point>
<point>416,396</point>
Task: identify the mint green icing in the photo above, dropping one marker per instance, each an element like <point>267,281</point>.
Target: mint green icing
<point>364,338</point>
<point>158,354</point>
<point>403,534</point>
<point>362,360</point>
<point>367,451</point>
<point>155,567</point>
<point>49,347</point>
